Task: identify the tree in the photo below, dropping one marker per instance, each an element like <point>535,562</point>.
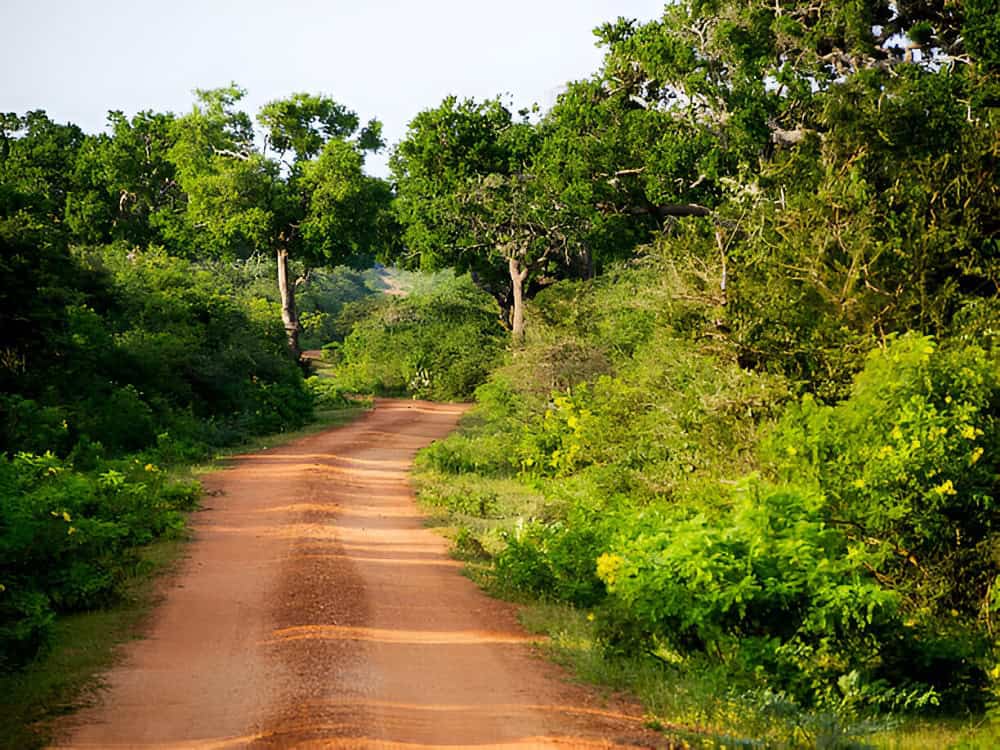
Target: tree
<point>37,158</point>
<point>302,194</point>
<point>844,153</point>
<point>126,187</point>
<point>468,196</point>
<point>40,278</point>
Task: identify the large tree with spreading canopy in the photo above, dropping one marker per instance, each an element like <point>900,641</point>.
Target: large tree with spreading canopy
<point>297,189</point>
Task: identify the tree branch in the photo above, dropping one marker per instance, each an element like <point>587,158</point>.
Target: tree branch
<point>241,155</point>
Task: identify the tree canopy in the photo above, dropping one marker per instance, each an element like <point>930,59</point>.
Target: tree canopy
<point>303,194</point>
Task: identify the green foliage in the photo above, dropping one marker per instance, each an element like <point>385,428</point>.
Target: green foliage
<point>555,560</point>
<point>766,587</point>
<point>125,186</point>
<point>322,301</point>
<point>907,467</point>
<point>309,200</point>
<point>166,347</point>
<point>326,394</point>
<point>439,345</point>
<point>469,198</point>
<point>695,445</point>
<point>67,539</point>
<point>855,579</point>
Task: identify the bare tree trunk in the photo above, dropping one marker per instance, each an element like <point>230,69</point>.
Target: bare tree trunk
<point>587,263</point>
<point>288,314</point>
<point>724,283</point>
<point>517,277</point>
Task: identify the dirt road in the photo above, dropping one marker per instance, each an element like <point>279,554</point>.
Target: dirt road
<point>316,611</point>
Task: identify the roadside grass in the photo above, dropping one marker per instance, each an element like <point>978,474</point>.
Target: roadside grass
<point>699,707</point>
<point>67,676</point>
<point>484,507</point>
<point>965,734</point>
<point>694,704</point>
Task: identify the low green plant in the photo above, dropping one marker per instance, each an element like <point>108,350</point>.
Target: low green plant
<point>68,539</point>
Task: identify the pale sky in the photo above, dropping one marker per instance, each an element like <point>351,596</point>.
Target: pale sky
<point>389,59</point>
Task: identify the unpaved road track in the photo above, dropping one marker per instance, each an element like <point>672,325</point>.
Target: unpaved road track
<point>314,610</point>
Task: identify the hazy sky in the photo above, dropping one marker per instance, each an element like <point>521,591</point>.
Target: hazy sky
<point>384,58</point>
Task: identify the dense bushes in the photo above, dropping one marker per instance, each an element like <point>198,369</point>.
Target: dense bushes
<point>323,298</point>
<point>439,344</point>
<point>162,347</point>
<point>67,539</point>
<point>842,556</point>
<point>908,468</point>
<point>872,561</point>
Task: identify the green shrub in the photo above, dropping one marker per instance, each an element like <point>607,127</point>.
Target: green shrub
<point>327,394</point>
<point>439,345</point>
<point>909,466</point>
<point>159,345</point>
<point>553,560</point>
<point>32,426</point>
<point>67,539</point>
<point>768,588</point>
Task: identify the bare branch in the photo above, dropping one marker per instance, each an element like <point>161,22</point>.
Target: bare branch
<point>241,155</point>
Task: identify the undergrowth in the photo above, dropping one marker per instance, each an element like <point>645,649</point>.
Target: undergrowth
<point>764,568</point>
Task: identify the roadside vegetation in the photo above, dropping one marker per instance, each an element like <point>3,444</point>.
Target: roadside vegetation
<point>743,456</point>
<point>757,565</point>
<point>131,350</point>
<point>728,310</point>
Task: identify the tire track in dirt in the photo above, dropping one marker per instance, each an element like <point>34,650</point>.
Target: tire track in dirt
<point>315,610</point>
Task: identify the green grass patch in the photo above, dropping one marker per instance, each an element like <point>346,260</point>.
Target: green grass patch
<point>67,675</point>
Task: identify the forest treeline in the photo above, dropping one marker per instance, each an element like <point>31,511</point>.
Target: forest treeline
<point>142,325</point>
<point>729,310</point>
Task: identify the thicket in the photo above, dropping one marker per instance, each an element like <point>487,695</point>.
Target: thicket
<point>141,327</point>
<point>438,343</point>
<point>761,452</point>
<point>840,556</point>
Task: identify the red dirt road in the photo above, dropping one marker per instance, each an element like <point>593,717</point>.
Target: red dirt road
<point>316,611</point>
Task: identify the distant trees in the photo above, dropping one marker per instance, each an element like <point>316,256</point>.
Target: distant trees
<point>208,184</point>
<point>39,277</point>
<point>447,171</point>
<point>505,199</point>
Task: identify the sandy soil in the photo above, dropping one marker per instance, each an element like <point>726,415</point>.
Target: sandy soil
<point>315,610</point>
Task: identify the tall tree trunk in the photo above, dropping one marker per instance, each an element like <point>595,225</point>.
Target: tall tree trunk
<point>586,263</point>
<point>502,296</point>
<point>517,277</point>
<point>288,314</point>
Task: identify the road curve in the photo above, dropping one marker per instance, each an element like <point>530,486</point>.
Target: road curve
<point>314,610</point>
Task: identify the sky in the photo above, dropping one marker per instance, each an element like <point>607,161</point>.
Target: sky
<point>388,59</point>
